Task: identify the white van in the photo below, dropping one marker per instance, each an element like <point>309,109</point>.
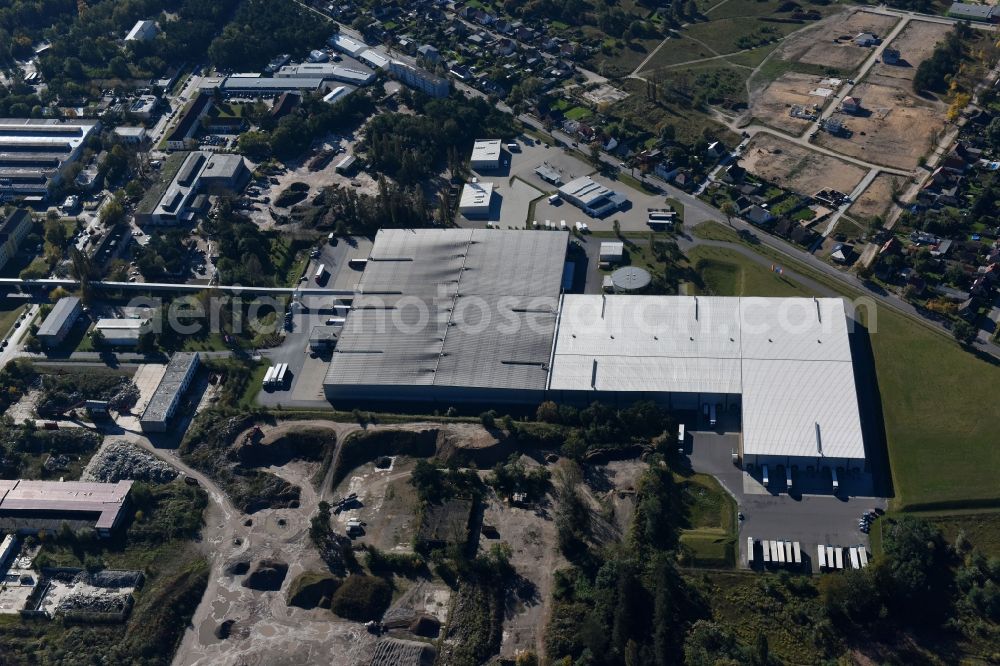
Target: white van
<point>554,199</point>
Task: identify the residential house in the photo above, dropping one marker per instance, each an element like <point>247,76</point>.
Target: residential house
<point>866,39</point>
<point>429,53</point>
<point>851,105</point>
<point>757,215</point>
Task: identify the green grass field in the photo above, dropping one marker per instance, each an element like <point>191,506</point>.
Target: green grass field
<point>725,272</point>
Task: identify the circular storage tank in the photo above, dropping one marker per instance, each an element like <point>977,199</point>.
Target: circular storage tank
<point>630,278</point>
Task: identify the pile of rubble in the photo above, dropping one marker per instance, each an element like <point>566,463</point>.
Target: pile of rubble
<point>95,600</point>
<point>125,398</point>
<point>122,459</point>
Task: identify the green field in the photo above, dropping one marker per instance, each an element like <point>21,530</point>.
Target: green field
<point>725,272</point>
<point>710,536</point>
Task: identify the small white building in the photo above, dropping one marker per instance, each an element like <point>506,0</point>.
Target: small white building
<point>121,332</point>
<point>476,199</point>
<point>612,252</point>
<point>348,45</point>
<point>142,31</point>
<point>337,94</point>
<point>131,135</point>
<point>485,154</point>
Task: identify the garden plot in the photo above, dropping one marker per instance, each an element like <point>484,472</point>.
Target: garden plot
<point>876,200</point>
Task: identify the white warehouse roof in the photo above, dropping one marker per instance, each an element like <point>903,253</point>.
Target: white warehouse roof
<point>789,358</point>
<point>476,196</point>
<point>486,150</point>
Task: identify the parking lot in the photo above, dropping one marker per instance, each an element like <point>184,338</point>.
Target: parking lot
<point>811,518</point>
<point>306,386</point>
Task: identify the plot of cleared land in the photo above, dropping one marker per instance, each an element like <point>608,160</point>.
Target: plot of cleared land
<point>915,44</point>
<point>831,42</point>
<point>876,200</point>
<point>895,129</point>
<point>772,105</point>
<point>797,168</point>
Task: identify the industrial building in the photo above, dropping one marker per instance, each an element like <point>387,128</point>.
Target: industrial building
<point>593,198</point>
<point>13,230</point>
<point>323,338</point>
<point>35,154</point>
<point>436,315</point>
<point>611,252</point>
<point>784,364</point>
<point>60,321</point>
<point>258,86</point>
<point>201,173</point>
<point>476,199</point>
<point>345,44</point>
<point>121,332</point>
<point>973,12</point>
<point>420,79</point>
<point>485,155</point>
<point>163,404</point>
<point>375,58</point>
<point>27,507</point>
<point>476,316</point>
<point>357,76</point>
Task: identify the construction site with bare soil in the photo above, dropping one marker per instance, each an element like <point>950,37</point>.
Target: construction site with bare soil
<point>798,168</point>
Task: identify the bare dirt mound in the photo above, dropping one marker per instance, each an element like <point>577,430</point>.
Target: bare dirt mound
<point>267,576</point>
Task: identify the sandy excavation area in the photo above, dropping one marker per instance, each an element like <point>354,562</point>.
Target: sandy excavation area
<point>797,168</point>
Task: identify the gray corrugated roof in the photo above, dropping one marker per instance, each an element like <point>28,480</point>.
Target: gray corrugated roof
<point>173,377</point>
<point>63,308</point>
<point>454,307</point>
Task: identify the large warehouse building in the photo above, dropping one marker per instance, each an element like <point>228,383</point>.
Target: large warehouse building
<point>35,154</point>
<point>476,316</point>
<point>451,315</point>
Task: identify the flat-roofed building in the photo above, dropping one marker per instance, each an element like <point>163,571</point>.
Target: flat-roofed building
<point>323,338</point>
<point>359,76</point>
<point>201,173</point>
<point>612,252</point>
<point>485,154</point>
<point>785,363</point>
<point>420,79</point>
<point>258,86</point>
<point>27,507</point>
<point>35,154</point>
<point>973,12</point>
<point>59,322</point>
<point>476,199</point>
<point>121,332</point>
<point>482,334</point>
<point>167,397</point>
<point>131,135</point>
<point>595,199</point>
<point>144,106</point>
<point>142,31</point>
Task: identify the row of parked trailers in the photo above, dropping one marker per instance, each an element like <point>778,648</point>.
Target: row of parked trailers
<point>775,552</point>
<point>833,557</point>
<point>276,376</point>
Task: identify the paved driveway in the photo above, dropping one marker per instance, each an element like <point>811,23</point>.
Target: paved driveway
<point>810,519</point>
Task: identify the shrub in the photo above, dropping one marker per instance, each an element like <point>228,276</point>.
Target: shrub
<point>362,598</point>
